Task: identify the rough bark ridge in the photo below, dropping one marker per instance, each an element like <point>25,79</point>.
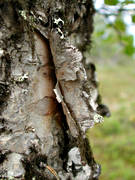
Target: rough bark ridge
<point>46,101</point>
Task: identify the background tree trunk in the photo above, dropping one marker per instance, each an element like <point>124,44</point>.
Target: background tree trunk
<point>47,101</point>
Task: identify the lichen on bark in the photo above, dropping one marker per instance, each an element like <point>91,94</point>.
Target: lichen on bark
<point>47,103</point>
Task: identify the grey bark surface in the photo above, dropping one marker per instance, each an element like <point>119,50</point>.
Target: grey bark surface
<point>47,98</point>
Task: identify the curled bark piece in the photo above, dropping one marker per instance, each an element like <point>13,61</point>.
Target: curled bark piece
<point>78,105</point>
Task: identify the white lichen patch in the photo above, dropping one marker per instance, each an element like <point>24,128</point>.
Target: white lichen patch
<point>56,21</point>
<point>21,78</point>
<point>30,18</point>
<point>74,158</point>
<point>24,91</point>
<point>98,118</point>
<point>61,33</point>
<point>23,14</point>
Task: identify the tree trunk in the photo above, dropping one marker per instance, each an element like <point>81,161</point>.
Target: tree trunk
<point>47,101</point>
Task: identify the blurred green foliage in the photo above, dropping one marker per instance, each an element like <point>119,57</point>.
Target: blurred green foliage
<point>121,2</point>
<point>114,141</point>
<point>111,2</point>
<point>113,51</point>
<point>133,18</point>
<point>118,13</point>
<point>119,24</point>
<point>128,42</point>
<point>108,45</point>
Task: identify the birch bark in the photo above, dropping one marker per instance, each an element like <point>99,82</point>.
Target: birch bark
<point>47,102</point>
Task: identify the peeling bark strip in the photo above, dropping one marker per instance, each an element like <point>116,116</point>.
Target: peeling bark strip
<point>46,101</point>
<point>71,77</point>
<point>76,101</point>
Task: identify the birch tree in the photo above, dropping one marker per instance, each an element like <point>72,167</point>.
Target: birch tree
<point>48,96</point>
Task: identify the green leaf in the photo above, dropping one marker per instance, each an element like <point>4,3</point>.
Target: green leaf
<point>128,2</point>
<point>120,25</point>
<point>133,18</point>
<point>129,50</point>
<point>111,2</point>
<point>128,41</point>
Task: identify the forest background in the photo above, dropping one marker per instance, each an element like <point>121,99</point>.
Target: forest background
<point>113,51</point>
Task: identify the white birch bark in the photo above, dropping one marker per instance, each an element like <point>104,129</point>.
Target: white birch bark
<point>47,102</point>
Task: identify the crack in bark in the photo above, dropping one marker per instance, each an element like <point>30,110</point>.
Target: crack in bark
<point>41,134</point>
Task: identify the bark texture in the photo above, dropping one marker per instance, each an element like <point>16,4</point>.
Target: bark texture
<point>47,99</point>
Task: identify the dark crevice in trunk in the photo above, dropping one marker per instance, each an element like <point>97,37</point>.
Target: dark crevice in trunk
<point>5,71</point>
<point>33,161</point>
